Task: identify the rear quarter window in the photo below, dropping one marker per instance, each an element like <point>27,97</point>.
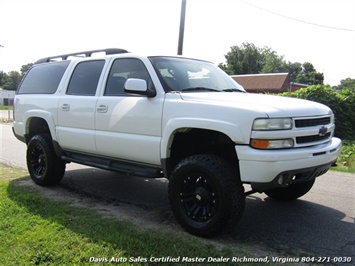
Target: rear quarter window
<point>43,78</point>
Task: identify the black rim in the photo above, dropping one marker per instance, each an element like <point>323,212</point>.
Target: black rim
<point>198,198</point>
<point>38,161</point>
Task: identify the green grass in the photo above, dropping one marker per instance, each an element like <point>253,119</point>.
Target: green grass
<point>4,107</point>
<point>35,230</point>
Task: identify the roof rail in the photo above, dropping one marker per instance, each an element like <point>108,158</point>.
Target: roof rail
<point>108,51</point>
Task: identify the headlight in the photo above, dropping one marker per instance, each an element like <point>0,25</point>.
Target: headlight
<point>332,119</point>
<point>272,124</point>
<point>272,144</point>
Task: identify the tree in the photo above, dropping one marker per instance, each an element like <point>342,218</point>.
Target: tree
<point>272,62</point>
<point>305,73</point>
<point>294,69</point>
<point>249,59</point>
<point>246,59</point>
<point>25,68</point>
<point>3,78</point>
<point>347,83</point>
<point>12,81</point>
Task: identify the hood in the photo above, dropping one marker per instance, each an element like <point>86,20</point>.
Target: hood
<point>272,106</point>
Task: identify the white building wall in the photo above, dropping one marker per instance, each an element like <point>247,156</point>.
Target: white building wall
<point>5,94</point>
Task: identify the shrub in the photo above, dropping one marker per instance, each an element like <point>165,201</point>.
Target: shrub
<point>347,157</point>
<point>342,103</point>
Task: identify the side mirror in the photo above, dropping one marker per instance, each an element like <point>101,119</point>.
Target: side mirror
<point>138,86</point>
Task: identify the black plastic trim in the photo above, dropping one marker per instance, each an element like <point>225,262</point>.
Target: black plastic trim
<point>166,166</point>
<point>114,164</point>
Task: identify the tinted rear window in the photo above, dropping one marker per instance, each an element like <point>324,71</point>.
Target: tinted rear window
<point>43,79</point>
<point>85,78</point>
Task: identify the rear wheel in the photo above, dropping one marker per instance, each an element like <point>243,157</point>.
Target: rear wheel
<point>44,166</point>
<point>291,192</point>
<point>206,194</point>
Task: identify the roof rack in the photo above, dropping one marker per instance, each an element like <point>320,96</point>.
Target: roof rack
<point>108,51</point>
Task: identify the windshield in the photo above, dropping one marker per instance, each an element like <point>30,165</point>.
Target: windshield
<point>186,75</point>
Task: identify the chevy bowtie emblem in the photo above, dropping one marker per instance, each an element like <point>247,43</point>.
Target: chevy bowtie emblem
<point>323,131</point>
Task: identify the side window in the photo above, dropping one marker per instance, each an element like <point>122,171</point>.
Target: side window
<point>85,78</point>
<point>123,69</point>
<point>43,78</point>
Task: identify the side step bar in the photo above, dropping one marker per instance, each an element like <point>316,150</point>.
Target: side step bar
<point>116,165</point>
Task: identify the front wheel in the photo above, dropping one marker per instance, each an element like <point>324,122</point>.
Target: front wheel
<point>44,166</point>
<point>205,194</point>
<point>291,192</point>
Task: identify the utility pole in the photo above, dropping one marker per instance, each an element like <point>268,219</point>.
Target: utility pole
<point>182,26</point>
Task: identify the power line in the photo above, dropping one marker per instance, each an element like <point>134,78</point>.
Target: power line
<point>299,20</point>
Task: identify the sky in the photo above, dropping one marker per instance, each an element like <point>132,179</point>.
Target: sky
<point>321,32</point>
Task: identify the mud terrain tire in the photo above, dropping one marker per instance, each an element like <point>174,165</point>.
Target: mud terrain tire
<point>206,194</point>
<point>45,168</point>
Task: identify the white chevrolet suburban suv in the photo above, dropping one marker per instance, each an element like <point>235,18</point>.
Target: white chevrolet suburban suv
<point>173,117</point>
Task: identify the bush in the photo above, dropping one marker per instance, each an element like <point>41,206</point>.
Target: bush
<point>342,103</point>
<point>347,157</point>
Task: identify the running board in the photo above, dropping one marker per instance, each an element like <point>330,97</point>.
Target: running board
<point>113,164</point>
<point>251,192</point>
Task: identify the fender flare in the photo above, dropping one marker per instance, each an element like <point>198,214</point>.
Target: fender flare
<point>45,115</point>
<point>181,124</point>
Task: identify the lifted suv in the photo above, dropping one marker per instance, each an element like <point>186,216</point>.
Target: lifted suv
<point>180,118</point>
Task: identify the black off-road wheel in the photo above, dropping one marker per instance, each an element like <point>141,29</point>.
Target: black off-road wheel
<point>206,194</point>
<point>291,192</point>
<point>45,168</point>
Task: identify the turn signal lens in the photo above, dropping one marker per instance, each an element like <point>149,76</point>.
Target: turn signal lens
<point>272,144</point>
<point>259,144</point>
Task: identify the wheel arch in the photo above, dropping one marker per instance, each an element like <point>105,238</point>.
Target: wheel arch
<point>39,123</point>
<point>184,142</point>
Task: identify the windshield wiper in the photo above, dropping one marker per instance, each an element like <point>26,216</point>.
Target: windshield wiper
<point>198,89</point>
<point>233,90</point>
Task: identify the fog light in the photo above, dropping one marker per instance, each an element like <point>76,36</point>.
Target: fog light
<point>280,180</point>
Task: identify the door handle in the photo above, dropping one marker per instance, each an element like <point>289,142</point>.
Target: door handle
<point>65,107</point>
<point>102,108</point>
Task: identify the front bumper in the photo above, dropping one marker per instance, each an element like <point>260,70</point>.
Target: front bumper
<point>264,166</point>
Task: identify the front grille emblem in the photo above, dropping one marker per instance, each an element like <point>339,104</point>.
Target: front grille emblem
<point>322,131</point>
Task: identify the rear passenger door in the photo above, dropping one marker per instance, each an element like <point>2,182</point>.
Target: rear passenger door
<point>76,109</point>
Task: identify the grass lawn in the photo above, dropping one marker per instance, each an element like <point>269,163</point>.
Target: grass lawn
<point>3,107</point>
<point>35,230</point>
